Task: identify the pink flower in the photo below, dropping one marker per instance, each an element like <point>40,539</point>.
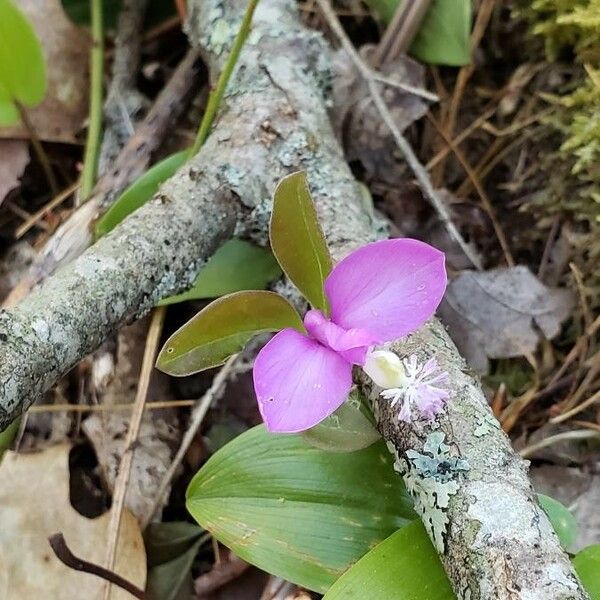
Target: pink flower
<point>379,293</point>
<point>419,389</point>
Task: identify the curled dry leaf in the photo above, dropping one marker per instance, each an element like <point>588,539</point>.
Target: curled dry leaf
<point>14,156</point>
<point>36,505</point>
<point>502,313</point>
<point>358,123</point>
<point>66,50</point>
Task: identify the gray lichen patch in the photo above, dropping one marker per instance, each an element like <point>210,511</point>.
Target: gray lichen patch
<point>432,477</point>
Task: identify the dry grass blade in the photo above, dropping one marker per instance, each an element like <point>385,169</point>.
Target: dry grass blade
<point>195,421</point>
<point>154,333</point>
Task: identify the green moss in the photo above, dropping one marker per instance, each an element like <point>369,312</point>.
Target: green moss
<point>571,28</point>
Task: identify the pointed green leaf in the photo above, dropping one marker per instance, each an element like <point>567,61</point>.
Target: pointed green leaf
<point>168,540</point>
<point>173,580</point>
<point>236,266</point>
<point>223,328</point>
<point>22,65</point>
<point>349,428</point>
<point>444,36</point>
<point>140,191</point>
<point>561,519</point>
<point>297,240</point>
<point>587,565</point>
<point>405,567</point>
<point>298,512</point>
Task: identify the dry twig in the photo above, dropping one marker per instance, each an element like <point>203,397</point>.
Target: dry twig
<point>411,158</point>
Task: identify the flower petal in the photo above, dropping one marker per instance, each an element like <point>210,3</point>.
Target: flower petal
<point>389,288</point>
<point>298,382</point>
<point>351,344</point>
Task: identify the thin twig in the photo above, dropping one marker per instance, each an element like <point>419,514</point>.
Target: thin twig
<point>38,149</point>
<point>488,206</point>
<point>406,149</point>
<point>579,434</point>
<point>63,553</point>
<point>405,87</point>
<point>36,216</point>
<point>154,333</point>
<point>196,419</point>
<point>92,144</point>
<point>401,31</point>
<point>579,408</point>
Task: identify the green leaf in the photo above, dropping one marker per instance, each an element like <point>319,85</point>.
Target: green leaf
<point>22,65</point>
<point>223,328</point>
<point>173,580</point>
<point>349,428</point>
<point>140,191</point>
<point>561,519</point>
<point>8,435</point>
<point>587,565</point>
<point>298,512</point>
<point>297,240</point>
<point>444,36</point>
<point>235,266</point>
<point>405,567</point>
<point>166,541</point>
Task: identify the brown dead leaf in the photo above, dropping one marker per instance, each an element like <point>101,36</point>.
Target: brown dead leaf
<point>502,313</point>
<point>159,433</point>
<point>358,123</point>
<point>14,157</point>
<point>35,504</point>
<point>66,49</point>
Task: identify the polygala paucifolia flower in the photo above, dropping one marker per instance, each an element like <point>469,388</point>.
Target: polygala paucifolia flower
<point>379,293</point>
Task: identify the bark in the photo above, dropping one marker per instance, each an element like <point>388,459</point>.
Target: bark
<point>469,486</point>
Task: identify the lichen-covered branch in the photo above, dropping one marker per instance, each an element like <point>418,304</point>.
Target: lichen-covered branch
<point>469,486</point>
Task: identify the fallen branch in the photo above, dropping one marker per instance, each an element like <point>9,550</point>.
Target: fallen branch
<point>474,498</point>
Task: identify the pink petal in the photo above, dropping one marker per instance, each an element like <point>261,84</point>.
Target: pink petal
<point>389,288</point>
<point>351,344</point>
<point>299,382</point>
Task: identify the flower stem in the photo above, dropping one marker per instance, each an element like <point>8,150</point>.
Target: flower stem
<point>215,97</point>
<point>92,144</point>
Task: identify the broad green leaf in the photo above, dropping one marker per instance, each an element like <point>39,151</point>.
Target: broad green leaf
<point>166,541</point>
<point>296,511</point>
<point>8,435</point>
<point>235,266</point>
<point>140,191</point>
<point>297,240</point>
<point>349,428</point>
<point>22,65</point>
<point>561,519</point>
<point>172,580</point>
<point>223,328</point>
<point>444,36</point>
<point>587,565</point>
<point>405,567</point>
